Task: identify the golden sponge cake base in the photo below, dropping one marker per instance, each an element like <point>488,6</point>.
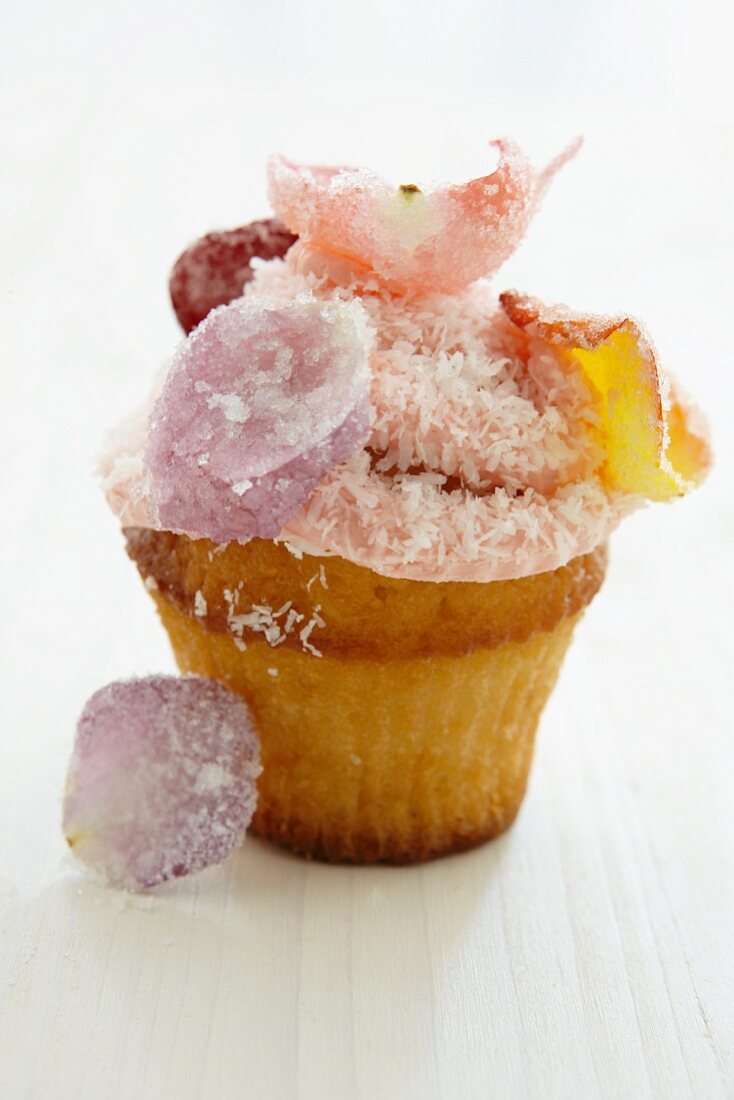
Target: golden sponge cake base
<point>411,734</point>
<point>370,760</point>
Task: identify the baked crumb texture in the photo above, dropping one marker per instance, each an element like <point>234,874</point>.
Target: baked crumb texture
<point>408,733</point>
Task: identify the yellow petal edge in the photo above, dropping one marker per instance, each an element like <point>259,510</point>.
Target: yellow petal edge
<point>654,444</point>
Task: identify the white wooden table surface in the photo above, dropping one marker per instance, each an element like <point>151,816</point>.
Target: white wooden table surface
<point>587,953</point>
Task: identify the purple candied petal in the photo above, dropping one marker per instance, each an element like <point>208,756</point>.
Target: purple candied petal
<point>161,781</point>
<point>209,508</point>
<point>261,403</point>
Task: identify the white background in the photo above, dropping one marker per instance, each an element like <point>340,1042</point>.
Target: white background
<point>587,953</point>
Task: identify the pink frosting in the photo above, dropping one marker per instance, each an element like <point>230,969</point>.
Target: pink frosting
<point>123,469</point>
<point>481,460</point>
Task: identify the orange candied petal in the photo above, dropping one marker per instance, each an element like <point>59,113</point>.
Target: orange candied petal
<point>688,448</point>
<point>653,444</point>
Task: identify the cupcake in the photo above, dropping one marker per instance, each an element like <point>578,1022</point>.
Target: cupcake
<point>373,497</point>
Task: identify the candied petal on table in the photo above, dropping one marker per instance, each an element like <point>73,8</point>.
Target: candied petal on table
<point>161,781</point>
<point>654,445</point>
<point>437,237</point>
<point>214,270</point>
<point>261,402</point>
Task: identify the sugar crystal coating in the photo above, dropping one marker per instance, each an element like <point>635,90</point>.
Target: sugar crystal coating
<point>162,779</point>
<point>262,400</point>
<point>432,238</point>
<point>213,270</point>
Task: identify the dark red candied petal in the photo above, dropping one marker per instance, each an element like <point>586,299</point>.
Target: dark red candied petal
<point>213,270</point>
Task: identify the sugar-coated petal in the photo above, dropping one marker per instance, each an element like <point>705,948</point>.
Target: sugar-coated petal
<point>162,779</point>
<point>213,270</point>
<point>262,401</point>
<point>432,238</point>
<point>654,446</point>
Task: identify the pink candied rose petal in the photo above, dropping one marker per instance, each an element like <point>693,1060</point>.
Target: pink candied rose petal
<point>262,401</point>
<point>437,238</point>
<point>162,779</point>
